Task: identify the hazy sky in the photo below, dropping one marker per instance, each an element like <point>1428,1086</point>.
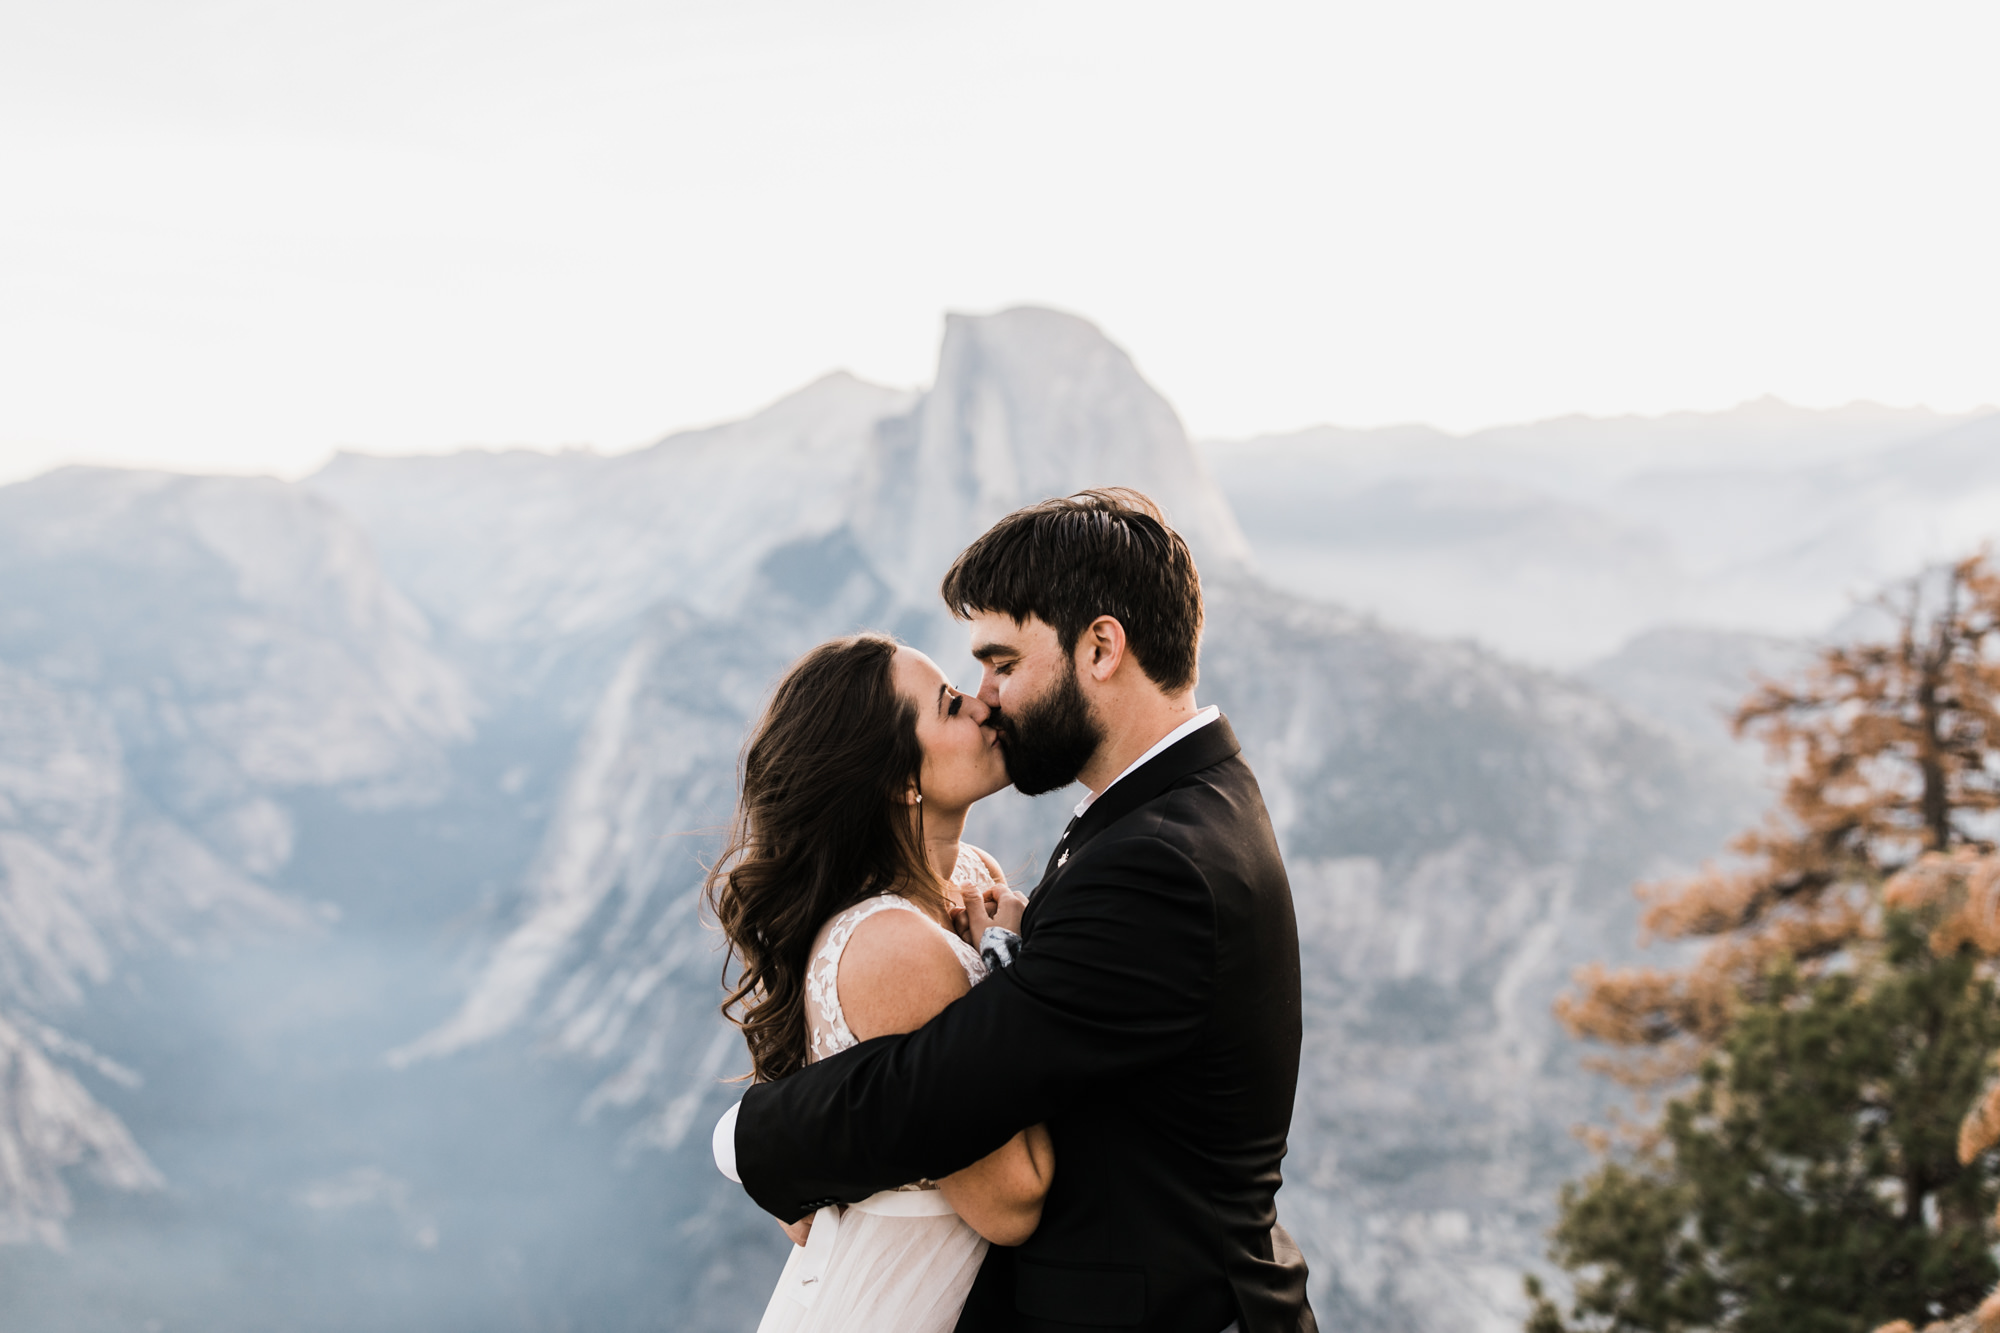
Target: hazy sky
<point>240,233</point>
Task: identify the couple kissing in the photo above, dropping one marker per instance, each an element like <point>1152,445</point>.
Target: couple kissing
<point>980,1111</point>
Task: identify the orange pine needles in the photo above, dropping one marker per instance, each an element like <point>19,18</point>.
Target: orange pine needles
<point>1884,748</point>
<point>1960,890</point>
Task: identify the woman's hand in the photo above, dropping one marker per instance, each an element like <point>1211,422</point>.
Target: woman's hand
<point>1005,908</point>
<point>799,1230</point>
<point>990,905</point>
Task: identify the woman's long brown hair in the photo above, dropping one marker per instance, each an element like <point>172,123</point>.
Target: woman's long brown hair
<point>823,822</point>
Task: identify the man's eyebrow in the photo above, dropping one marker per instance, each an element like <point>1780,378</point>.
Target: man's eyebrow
<point>986,652</point>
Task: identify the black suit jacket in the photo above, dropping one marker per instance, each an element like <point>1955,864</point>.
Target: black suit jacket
<point>1151,1021</point>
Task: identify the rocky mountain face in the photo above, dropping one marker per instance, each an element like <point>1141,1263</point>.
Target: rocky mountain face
<point>1027,404</point>
<point>178,658</point>
<point>65,845</point>
<point>531,563</point>
<point>52,1124</point>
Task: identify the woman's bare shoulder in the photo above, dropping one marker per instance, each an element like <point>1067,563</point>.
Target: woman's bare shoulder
<point>897,971</point>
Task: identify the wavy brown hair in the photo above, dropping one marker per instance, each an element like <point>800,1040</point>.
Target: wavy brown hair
<point>822,824</point>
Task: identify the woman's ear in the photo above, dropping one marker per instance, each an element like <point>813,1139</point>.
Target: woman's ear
<point>911,796</point>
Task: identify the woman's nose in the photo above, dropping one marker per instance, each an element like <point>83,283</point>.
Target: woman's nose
<point>978,709</point>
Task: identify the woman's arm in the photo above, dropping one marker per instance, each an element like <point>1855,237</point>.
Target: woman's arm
<point>1000,1195</point>
<point>896,974</point>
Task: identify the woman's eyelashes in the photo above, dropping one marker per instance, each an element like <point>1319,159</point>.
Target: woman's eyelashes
<point>951,710</point>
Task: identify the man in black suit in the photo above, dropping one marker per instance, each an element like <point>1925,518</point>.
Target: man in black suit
<point>1151,1017</point>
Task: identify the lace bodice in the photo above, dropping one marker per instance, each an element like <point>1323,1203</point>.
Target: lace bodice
<point>826,1025</point>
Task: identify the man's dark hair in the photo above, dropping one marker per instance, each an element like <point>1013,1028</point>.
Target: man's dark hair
<point>1106,552</point>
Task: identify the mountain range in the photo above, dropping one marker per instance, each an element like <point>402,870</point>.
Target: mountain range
<point>1558,542</point>
<point>351,970</point>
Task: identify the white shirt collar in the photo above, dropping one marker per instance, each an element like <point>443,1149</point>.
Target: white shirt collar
<point>1185,729</point>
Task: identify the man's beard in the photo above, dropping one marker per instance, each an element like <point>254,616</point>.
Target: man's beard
<point>1050,740</point>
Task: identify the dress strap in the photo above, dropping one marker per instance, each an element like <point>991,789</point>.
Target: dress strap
<point>844,924</point>
<point>971,869</point>
<point>827,1030</point>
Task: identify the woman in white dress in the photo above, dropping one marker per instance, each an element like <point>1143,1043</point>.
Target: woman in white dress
<point>849,903</point>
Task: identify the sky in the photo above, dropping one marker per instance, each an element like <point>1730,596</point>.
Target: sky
<point>239,234</point>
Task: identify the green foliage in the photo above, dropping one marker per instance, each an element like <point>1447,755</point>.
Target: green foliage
<point>1809,1182</point>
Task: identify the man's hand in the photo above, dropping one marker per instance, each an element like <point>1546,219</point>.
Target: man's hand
<point>799,1230</point>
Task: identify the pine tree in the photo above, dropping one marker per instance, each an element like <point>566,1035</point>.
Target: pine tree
<point>1807,1170</point>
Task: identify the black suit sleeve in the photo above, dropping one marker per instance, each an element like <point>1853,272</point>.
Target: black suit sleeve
<point>1114,982</point>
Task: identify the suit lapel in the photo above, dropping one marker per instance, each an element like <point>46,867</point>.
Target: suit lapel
<point>1204,749</point>
<point>1059,853</point>
<point>1058,856</point>
<point>1191,754</point>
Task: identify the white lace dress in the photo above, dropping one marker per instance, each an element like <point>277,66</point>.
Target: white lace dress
<point>900,1261</point>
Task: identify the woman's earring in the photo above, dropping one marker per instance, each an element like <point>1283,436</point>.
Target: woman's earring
<point>920,798</point>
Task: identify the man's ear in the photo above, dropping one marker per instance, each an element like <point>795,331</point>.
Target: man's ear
<point>1100,648</point>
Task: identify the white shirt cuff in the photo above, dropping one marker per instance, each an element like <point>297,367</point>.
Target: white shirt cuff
<point>723,1143</point>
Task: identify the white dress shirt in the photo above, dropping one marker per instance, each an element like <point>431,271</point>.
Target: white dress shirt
<point>1185,729</point>
<point>724,1143</point>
